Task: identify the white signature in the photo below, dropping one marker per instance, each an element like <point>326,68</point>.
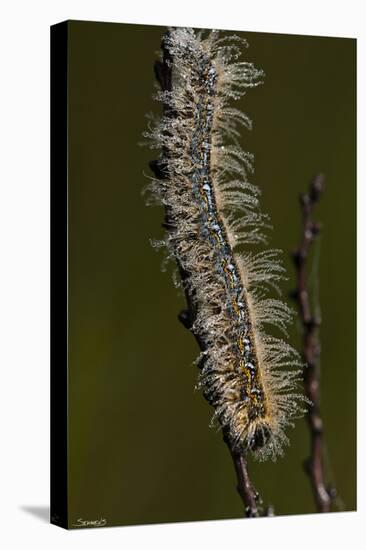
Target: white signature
<point>90,522</point>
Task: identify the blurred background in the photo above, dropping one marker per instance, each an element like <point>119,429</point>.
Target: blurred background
<point>140,446</point>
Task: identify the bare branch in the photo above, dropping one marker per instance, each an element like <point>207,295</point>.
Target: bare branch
<point>314,465</point>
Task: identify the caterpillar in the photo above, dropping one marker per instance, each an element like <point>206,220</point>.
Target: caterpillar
<point>249,376</point>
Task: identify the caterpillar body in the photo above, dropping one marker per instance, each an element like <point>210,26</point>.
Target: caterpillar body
<point>212,210</point>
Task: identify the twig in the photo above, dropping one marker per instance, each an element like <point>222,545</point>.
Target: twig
<point>245,487</point>
<point>314,465</point>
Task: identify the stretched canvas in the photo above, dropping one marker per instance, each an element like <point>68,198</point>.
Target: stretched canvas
<point>203,232</point>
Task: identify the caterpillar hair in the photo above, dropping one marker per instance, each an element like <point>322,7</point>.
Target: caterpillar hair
<point>249,376</point>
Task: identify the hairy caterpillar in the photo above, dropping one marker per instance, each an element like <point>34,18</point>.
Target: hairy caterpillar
<point>247,375</point>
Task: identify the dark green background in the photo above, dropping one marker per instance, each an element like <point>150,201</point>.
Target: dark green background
<point>140,449</point>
